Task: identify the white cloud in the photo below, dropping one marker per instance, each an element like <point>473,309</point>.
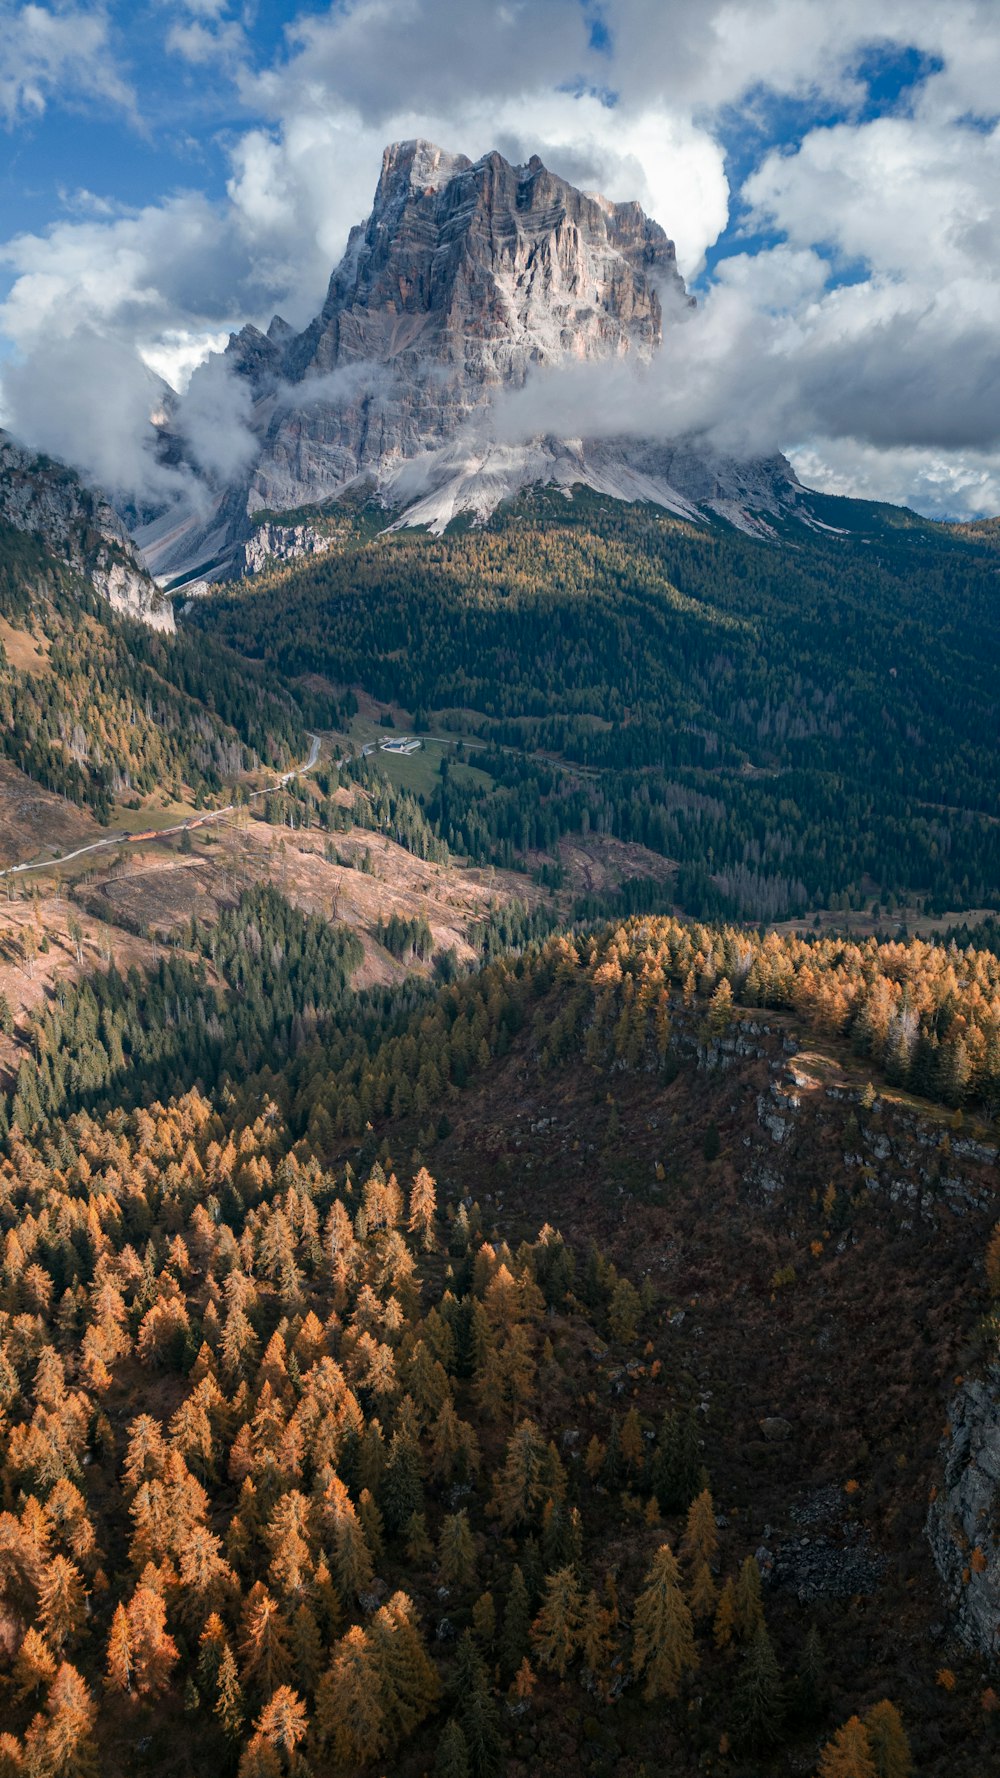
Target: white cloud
<point>897,372</point>
<point>61,54</point>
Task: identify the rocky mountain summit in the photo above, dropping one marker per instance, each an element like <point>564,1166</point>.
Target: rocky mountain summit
<point>467,280</point>
<point>79,527</point>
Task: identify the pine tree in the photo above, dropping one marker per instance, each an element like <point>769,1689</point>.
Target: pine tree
<point>890,1748</point>
<point>516,1630</point>
<point>518,1489</point>
<point>418,1545</point>
<point>350,1719</point>
<point>747,1600</point>
<point>663,1634</point>
<point>476,1710</point>
<point>402,1490</point>
<point>597,1643</point>
<point>61,1601</point>
<point>283,1722</point>
<point>759,1699</point>
<point>555,1632</point>
<point>484,1620</point>
<point>409,1681</point>
<point>810,1679</point>
<point>849,1754</point>
<point>724,1627</point>
<point>700,1542</point>
<point>423,1206</point>
<point>371,1524</point>
<point>307,1649</point>
<point>121,1664</point>
<point>153,1652</point>
<point>264,1645</point>
<point>452,1757</point>
<point>60,1743</point>
<point>676,1470</point>
<point>35,1664</point>
<point>229,1705</point>
<point>457,1550</point>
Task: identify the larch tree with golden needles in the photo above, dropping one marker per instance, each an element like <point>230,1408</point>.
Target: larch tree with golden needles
<point>555,1632</point>
<point>663,1648</point>
<point>849,1754</point>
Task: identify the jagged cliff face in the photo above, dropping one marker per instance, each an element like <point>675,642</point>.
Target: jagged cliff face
<point>963,1520</point>
<point>79,527</point>
<point>465,279</point>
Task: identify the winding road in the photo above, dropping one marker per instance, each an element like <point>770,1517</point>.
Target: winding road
<point>161,833</point>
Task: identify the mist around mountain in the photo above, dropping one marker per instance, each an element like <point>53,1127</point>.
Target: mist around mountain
<point>439,374</point>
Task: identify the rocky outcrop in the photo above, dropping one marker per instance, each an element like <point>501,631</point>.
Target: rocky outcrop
<point>466,279</point>
<point>963,1523</point>
<point>281,543</point>
<point>79,527</point>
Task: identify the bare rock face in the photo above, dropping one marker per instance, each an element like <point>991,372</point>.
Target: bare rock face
<point>80,528</point>
<point>962,1522</point>
<point>466,278</point>
<point>463,279</point>
<point>282,543</point>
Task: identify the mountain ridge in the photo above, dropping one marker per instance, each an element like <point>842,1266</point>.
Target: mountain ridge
<point>466,280</point>
<point>78,525</point>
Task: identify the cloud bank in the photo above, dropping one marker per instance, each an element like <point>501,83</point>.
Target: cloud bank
<point>852,319</point>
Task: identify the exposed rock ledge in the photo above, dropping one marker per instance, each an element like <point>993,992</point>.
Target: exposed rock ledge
<point>964,1519</point>
<point>281,543</point>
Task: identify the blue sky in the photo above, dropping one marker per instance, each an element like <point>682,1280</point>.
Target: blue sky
<point>174,167</point>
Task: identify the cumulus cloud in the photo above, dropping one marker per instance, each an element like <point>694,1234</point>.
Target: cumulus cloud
<point>894,370</point>
<point>62,53</point>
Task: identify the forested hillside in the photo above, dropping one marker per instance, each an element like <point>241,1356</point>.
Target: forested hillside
<point>100,709</point>
<point>792,722</point>
<point>316,1459</point>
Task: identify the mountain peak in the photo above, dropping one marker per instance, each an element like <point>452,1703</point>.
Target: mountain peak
<point>420,164</point>
<point>467,278</point>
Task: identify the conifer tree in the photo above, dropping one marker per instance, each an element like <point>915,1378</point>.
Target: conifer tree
<point>810,1679</point>
<point>457,1550</point>
<point>60,1741</point>
<point>307,1649</point>
<point>121,1663</point>
<point>518,1489</point>
<point>350,1719</point>
<point>229,1704</point>
<point>887,1739</point>
<point>555,1632</point>
<point>662,1631</point>
<point>597,1643</point>
<point>402,1491</point>
<point>409,1681</point>
<point>516,1630</point>
<point>61,1601</point>
<point>477,1711</point>
<point>849,1754</point>
<point>418,1545</point>
<point>423,1205</point>
<point>747,1600</point>
<point>676,1470</point>
<point>759,1700</point>
<point>452,1757</point>
<point>724,1627</point>
<point>264,1644</point>
<point>283,1722</point>
<point>153,1651</point>
<point>700,1542</point>
<point>34,1666</point>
